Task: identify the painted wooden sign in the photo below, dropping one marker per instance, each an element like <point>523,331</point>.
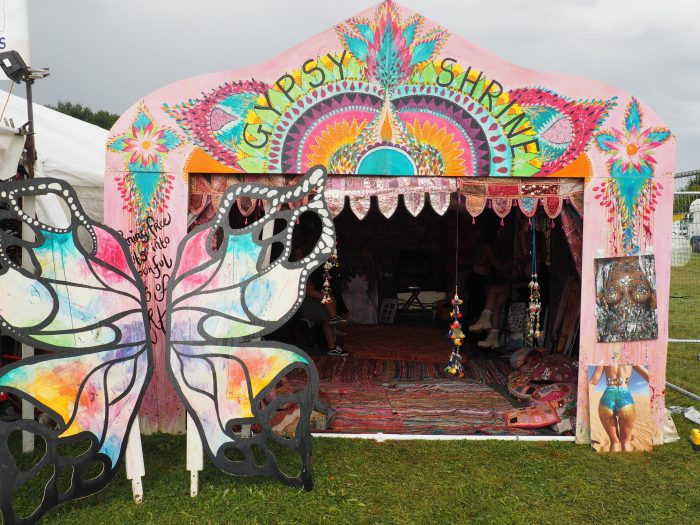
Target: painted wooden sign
<point>82,301</point>
<point>389,92</point>
<point>219,300</point>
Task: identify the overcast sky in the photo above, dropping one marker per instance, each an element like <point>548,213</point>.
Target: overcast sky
<point>107,54</point>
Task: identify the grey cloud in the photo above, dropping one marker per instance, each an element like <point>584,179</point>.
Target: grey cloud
<point>108,54</point>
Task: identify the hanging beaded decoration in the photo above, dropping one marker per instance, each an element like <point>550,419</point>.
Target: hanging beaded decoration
<point>454,366</point>
<point>533,324</point>
<point>331,263</point>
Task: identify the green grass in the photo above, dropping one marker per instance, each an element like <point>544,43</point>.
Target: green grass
<point>416,482</point>
<point>437,482</point>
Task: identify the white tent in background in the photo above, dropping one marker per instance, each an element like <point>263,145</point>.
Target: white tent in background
<point>67,149</point>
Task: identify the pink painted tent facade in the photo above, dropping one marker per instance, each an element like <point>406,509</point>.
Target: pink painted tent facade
<point>391,93</point>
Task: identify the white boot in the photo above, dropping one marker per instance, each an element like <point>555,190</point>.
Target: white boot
<point>491,340</point>
<point>484,322</point>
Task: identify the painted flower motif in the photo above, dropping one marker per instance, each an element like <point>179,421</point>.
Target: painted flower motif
<point>146,144</point>
<point>632,147</point>
<point>631,193</point>
<point>144,184</point>
<point>389,47</point>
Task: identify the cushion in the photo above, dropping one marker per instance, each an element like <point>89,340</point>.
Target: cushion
<point>532,417</point>
<point>555,368</point>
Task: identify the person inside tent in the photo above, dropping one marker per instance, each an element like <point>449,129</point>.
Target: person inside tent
<point>518,274</point>
<point>314,310</point>
<point>488,266</point>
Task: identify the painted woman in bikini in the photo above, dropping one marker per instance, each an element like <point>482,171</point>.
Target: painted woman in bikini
<point>616,408</point>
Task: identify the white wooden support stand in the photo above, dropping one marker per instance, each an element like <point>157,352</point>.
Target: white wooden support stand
<point>135,469</point>
<point>195,455</point>
<point>29,208</point>
<point>195,449</point>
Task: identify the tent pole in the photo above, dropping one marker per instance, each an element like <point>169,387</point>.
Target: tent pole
<point>29,208</point>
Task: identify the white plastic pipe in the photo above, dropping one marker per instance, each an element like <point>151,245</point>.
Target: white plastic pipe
<point>380,437</point>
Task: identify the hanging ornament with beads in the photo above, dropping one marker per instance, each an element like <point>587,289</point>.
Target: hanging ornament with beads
<point>454,366</point>
<point>534,334</point>
<point>331,263</point>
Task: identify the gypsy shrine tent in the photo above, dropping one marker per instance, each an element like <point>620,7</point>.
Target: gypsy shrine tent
<point>382,97</point>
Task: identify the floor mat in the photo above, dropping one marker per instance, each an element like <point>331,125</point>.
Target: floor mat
<point>394,382</point>
<point>428,407</point>
<point>409,343</point>
<point>368,371</point>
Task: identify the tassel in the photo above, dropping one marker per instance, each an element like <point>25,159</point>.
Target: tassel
<point>502,223</point>
<point>473,220</point>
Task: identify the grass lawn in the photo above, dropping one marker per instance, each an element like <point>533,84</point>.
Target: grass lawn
<point>417,482</point>
<point>438,482</point>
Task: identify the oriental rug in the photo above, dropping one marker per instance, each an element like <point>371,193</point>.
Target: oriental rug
<point>425,407</point>
<point>370,371</point>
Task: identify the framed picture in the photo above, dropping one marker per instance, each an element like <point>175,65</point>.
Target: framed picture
<point>626,299</point>
<point>620,412</point>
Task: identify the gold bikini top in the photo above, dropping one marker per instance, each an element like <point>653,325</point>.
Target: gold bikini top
<point>617,381</point>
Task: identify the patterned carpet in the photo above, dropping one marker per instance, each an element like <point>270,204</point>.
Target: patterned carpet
<point>394,382</point>
<point>371,371</point>
<point>409,343</point>
<point>430,407</point>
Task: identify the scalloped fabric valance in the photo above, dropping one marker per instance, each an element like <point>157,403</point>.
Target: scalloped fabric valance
<point>475,193</point>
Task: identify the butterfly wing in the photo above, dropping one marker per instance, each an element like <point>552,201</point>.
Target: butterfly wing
<point>82,302</point>
<point>219,300</point>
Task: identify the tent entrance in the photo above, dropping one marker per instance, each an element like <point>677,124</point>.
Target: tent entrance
<point>391,244</point>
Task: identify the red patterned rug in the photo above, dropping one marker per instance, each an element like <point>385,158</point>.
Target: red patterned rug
<point>408,343</point>
<point>430,407</point>
<point>370,371</point>
<point>394,382</point>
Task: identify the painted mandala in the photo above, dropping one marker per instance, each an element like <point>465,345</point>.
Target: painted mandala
<point>386,105</point>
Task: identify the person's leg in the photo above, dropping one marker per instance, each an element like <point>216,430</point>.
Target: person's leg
<point>497,299</point>
<point>609,421</point>
<point>490,317</point>
<point>328,334</point>
<point>626,416</point>
<point>331,309</point>
<point>496,294</point>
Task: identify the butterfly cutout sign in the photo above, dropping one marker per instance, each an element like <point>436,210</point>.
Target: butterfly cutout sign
<point>83,304</point>
<point>219,299</point>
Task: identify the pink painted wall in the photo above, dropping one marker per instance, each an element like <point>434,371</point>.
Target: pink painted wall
<point>141,182</point>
